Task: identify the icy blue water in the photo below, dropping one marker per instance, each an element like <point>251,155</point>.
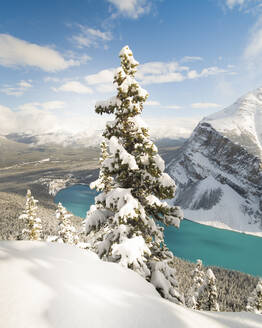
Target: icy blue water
<point>219,247</point>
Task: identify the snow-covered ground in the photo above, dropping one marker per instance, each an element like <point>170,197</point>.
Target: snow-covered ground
<point>223,213</point>
<point>56,285</point>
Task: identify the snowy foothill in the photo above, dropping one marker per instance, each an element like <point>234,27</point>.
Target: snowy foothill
<point>51,285</point>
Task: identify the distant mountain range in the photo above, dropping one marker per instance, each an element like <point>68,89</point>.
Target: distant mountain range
<point>218,170</point>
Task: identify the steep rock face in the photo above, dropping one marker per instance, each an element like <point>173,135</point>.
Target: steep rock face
<point>219,182</point>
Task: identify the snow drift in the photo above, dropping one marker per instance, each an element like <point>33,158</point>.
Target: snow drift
<point>56,285</point>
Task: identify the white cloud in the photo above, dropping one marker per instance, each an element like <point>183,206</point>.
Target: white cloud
<point>152,103</point>
<point>254,46</point>
<point>155,72</point>
<point>157,103</point>
<point>164,72</point>
<point>8,121</point>
<point>55,104</point>
<point>105,88</point>
<point>173,107</point>
<point>232,3</point>
<point>204,105</point>
<point>190,59</point>
<point>173,128</point>
<point>90,37</point>
<point>74,86</point>
<point>16,52</point>
<point>160,72</point>
<point>27,120</point>
<point>99,34</point>
<point>209,71</point>
<point>51,79</point>
<point>104,76</point>
<point>17,90</point>
<point>252,54</point>
<point>131,8</point>
<point>49,105</point>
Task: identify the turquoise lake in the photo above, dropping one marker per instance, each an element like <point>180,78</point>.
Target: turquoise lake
<point>214,246</point>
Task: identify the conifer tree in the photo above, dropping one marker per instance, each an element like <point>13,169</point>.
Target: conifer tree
<point>210,284</point>
<point>33,230</point>
<point>255,300</point>
<point>66,231</point>
<point>196,291</point>
<point>123,223</point>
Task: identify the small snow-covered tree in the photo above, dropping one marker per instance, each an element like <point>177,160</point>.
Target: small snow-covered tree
<point>210,285</point>
<point>33,230</point>
<point>254,303</point>
<point>123,224</point>
<point>66,231</point>
<point>198,277</point>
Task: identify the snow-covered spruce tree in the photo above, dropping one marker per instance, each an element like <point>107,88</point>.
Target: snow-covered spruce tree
<point>254,303</point>
<point>66,231</point>
<point>211,303</point>
<point>123,224</point>
<point>196,291</point>
<point>33,230</point>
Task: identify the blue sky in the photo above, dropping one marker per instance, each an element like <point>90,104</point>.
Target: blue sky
<point>58,56</point>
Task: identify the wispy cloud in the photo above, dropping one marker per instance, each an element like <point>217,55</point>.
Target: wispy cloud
<point>152,103</point>
<point>17,90</point>
<point>155,103</point>
<point>104,76</point>
<point>48,105</point>
<point>18,53</point>
<point>157,72</point>
<point>105,88</point>
<point>166,72</point>
<point>209,71</point>
<point>131,8</point>
<point>204,105</point>
<point>174,127</point>
<point>232,3</point>
<point>173,107</point>
<point>190,59</point>
<point>253,50</point>
<point>75,87</point>
<point>89,37</point>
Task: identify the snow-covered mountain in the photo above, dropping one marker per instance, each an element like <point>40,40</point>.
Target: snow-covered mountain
<point>219,171</point>
<point>51,285</point>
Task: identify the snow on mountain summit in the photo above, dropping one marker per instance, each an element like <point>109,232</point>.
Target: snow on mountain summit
<point>242,122</point>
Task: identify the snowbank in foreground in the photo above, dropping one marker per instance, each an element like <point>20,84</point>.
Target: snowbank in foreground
<point>59,286</point>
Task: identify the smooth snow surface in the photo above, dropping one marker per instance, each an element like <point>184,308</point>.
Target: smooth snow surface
<point>60,286</point>
<point>223,213</point>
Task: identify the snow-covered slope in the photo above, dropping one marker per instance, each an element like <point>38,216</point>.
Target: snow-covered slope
<point>219,171</point>
<point>60,286</point>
